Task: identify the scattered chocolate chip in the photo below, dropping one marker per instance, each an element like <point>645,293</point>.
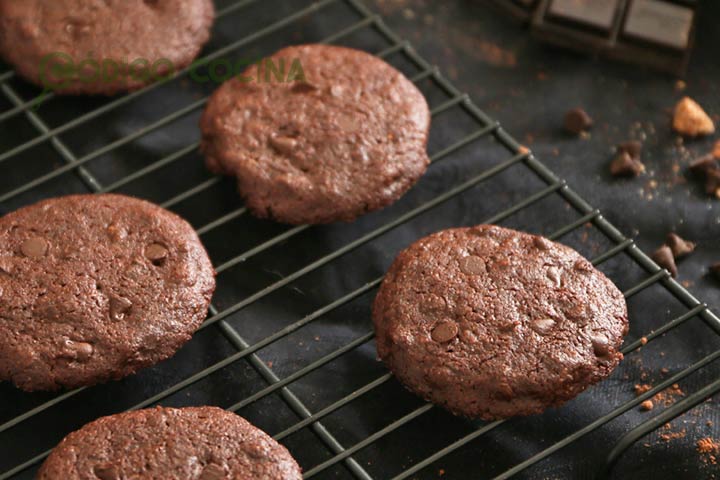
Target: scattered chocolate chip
<point>156,253</point>
<point>106,472</point>
<point>303,87</point>
<point>80,351</point>
<point>119,307</point>
<point>444,331</point>
<point>679,246</point>
<point>213,471</point>
<point>663,256</point>
<point>626,166</point>
<point>577,121</point>
<point>704,164</point>
<point>712,182</point>
<point>284,145</point>
<point>691,120</point>
<point>34,247</point>
<point>600,345</point>
<point>542,326</point>
<point>631,147</point>
<point>715,270</point>
<point>647,405</point>
<point>472,265</point>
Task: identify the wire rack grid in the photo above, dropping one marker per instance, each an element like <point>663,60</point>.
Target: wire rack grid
<point>333,428</point>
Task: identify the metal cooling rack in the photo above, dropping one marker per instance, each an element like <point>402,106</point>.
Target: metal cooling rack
<point>340,458</point>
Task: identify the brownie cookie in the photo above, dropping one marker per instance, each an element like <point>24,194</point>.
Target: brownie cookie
<point>94,287</point>
<point>344,134</point>
<point>101,47</point>
<point>203,443</point>
<point>490,322</point>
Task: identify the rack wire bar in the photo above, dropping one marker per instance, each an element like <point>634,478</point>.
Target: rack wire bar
<point>487,128</point>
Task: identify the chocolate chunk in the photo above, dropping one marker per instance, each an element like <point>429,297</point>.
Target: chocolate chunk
<point>106,471</point>
<point>626,166</point>
<point>712,182</point>
<point>472,265</point>
<point>303,87</point>
<point>542,326</point>
<point>213,471</point>
<point>600,345</point>
<point>595,13</point>
<point>663,256</point>
<point>6,265</point>
<point>704,164</point>
<point>444,331</point>
<point>631,147</point>
<point>691,120</point>
<point>659,22</point>
<point>119,307</point>
<point>80,351</point>
<point>542,243</point>
<point>156,253</point>
<point>715,270</point>
<point>577,121</point>
<point>285,145</point>
<point>34,247</point>
<point>679,246</point>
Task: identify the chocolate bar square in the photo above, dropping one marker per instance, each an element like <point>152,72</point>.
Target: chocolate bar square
<point>659,22</point>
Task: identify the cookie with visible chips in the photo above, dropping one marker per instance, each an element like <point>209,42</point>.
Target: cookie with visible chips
<point>347,138</point>
<point>491,323</point>
<point>102,47</point>
<point>95,287</point>
<point>204,443</point>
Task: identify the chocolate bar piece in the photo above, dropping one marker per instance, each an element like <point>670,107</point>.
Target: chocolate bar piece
<point>599,14</point>
<point>655,21</point>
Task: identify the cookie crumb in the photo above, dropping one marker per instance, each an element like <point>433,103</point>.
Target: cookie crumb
<point>647,405</point>
<point>691,120</point>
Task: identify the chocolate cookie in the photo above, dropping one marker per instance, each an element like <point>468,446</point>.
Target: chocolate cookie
<point>342,134</point>
<point>100,46</point>
<point>94,287</point>
<point>490,322</point>
<point>203,443</point>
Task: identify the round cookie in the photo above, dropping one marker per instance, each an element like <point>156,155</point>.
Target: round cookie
<point>490,322</point>
<point>344,134</point>
<point>204,443</point>
<point>101,47</point>
<point>95,287</point>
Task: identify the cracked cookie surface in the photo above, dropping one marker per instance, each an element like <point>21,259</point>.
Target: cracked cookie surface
<point>95,287</point>
<point>490,322</point>
<point>203,443</point>
<point>347,139</point>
